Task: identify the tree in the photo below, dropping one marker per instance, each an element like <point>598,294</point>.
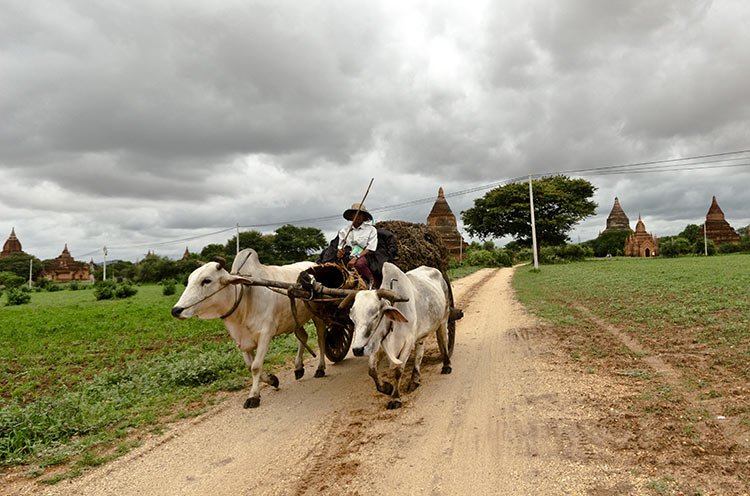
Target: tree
<point>559,203</point>
<point>692,233</point>
<point>610,243</point>
<point>295,244</point>
<point>209,252</point>
<point>18,263</point>
<point>261,243</point>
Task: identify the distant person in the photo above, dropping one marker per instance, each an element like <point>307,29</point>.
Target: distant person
<point>355,242</point>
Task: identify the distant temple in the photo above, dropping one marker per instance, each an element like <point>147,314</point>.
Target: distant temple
<point>12,245</point>
<point>641,243</point>
<point>64,268</point>
<point>717,228</point>
<point>442,219</point>
<point>617,220</point>
<point>186,255</point>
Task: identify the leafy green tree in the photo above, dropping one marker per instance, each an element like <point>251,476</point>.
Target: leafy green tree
<point>692,233</point>
<point>609,243</point>
<point>674,246</point>
<point>295,244</point>
<point>209,252</point>
<point>261,243</point>
<point>11,280</point>
<point>18,263</point>
<point>559,201</point>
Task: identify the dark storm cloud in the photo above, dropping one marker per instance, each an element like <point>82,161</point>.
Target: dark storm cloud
<point>137,121</point>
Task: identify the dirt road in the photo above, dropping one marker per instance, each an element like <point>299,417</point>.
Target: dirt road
<point>506,421</point>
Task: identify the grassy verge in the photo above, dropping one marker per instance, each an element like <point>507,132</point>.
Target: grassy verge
<point>80,379</point>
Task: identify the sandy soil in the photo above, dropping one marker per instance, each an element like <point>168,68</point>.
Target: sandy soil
<point>509,420</point>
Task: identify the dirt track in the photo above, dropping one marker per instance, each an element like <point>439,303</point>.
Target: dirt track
<point>506,421</point>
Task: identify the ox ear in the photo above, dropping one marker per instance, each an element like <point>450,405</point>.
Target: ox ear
<point>392,313</point>
<point>235,279</point>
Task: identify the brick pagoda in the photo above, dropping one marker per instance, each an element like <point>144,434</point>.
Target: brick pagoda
<point>12,245</point>
<point>717,228</point>
<point>641,243</point>
<point>442,219</point>
<point>64,268</point>
<point>617,220</point>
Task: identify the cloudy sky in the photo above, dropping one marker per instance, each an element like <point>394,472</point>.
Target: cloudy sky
<point>138,124</point>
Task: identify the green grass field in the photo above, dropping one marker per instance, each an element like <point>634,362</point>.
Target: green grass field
<point>704,298</point>
<point>692,314</point>
<point>80,377</point>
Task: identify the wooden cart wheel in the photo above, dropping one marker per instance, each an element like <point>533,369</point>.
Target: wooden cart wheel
<point>337,342</point>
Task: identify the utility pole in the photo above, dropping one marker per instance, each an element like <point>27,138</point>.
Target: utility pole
<point>238,238</point>
<point>31,261</point>
<point>705,241</point>
<point>533,226</point>
<point>104,274</point>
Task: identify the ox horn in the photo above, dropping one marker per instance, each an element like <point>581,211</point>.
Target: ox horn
<point>348,299</point>
<point>390,295</point>
<point>222,263</point>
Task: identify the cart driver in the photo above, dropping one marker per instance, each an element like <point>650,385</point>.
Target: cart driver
<point>357,240</point>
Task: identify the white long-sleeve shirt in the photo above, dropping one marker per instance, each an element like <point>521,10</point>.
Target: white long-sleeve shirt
<point>364,237</point>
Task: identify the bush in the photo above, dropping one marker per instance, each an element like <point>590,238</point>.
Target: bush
<point>564,253</point>
<point>11,280</point>
<point>74,286</point>
<point>169,287</point>
<point>675,246</point>
<point>16,296</point>
<point>51,288</point>
<point>699,248</point>
<point>106,290</point>
<point>125,290</point>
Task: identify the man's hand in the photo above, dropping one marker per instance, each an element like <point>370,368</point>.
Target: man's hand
<point>351,262</point>
<point>340,254</point>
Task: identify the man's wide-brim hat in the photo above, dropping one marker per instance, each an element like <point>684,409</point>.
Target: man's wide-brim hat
<point>349,213</point>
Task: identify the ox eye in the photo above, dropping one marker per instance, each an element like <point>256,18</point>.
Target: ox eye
<point>205,281</point>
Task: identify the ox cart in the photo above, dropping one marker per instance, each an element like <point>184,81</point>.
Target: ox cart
<point>328,289</point>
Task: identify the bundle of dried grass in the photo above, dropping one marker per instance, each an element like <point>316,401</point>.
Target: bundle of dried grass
<point>418,244</point>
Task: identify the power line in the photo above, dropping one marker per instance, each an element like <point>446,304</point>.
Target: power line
<point>691,163</point>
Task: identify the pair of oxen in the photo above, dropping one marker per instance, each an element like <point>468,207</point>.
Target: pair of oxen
<point>391,323</point>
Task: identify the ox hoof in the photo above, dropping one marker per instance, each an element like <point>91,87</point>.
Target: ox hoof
<point>387,388</point>
<point>252,403</point>
<point>320,373</point>
<point>446,369</point>
<point>393,405</point>
<point>412,386</point>
<point>299,373</point>
<point>274,381</point>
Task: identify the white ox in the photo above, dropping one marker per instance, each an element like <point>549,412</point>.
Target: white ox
<point>252,314</point>
<point>383,325</point>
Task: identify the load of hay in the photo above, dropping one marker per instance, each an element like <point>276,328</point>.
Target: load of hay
<point>418,244</point>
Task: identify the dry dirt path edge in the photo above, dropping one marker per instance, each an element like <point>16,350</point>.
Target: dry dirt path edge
<point>506,421</point>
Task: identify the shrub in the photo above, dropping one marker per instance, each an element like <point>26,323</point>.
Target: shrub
<point>675,246</point>
<point>699,248</point>
<point>16,296</point>
<point>105,290</point>
<point>51,288</point>
<point>125,290</point>
<point>169,287</point>
<point>11,280</point>
<point>74,286</point>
